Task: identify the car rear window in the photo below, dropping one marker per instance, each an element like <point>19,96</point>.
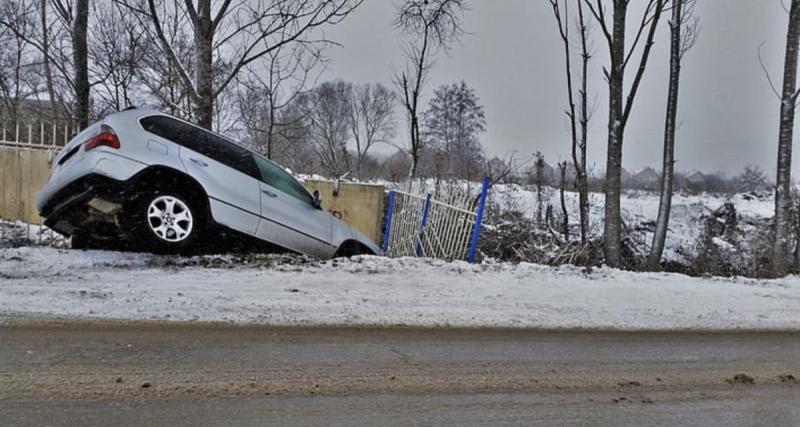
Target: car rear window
<point>202,141</point>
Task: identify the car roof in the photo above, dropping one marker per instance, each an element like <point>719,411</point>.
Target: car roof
<point>138,114</point>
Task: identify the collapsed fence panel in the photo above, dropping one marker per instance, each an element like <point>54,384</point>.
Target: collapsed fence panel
<point>442,224</point>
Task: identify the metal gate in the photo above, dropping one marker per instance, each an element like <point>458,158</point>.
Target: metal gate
<point>444,223</point>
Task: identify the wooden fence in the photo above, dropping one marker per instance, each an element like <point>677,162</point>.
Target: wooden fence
<point>23,172</point>
<point>26,153</point>
<point>36,135</point>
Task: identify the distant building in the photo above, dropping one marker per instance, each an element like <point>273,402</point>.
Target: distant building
<point>646,179</point>
<point>548,174</point>
<point>625,175</point>
<point>696,179</point>
<point>36,122</point>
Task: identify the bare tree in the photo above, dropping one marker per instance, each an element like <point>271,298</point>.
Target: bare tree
<point>264,94</point>
<point>682,11</point>
<point>453,123</point>
<point>117,49</point>
<point>54,39</point>
<point>17,76</point>
<point>80,54</point>
<point>578,143</point>
<point>539,182</point>
<point>780,256</point>
<point>562,166</point>
<point>430,26</point>
<point>752,178</point>
<point>236,35</point>
<point>581,173</point>
<point>46,67</point>
<point>158,74</point>
<point>618,109</point>
<point>326,113</point>
<point>75,17</point>
<point>371,119</point>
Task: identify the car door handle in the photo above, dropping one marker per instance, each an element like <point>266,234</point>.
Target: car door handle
<point>269,193</point>
<point>198,162</point>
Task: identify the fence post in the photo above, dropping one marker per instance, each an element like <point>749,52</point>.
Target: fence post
<point>422,222</point>
<point>476,231</point>
<point>387,230</point>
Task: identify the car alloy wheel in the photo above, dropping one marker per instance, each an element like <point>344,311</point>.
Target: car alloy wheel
<point>170,219</point>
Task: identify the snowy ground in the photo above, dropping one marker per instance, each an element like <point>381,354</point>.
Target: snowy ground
<point>47,282</point>
<point>640,208</point>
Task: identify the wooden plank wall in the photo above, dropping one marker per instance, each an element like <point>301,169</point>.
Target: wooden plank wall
<point>23,172</point>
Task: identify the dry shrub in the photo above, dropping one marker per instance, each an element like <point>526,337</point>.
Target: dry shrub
<point>511,236</point>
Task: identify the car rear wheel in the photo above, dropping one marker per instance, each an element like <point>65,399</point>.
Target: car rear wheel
<point>169,222</point>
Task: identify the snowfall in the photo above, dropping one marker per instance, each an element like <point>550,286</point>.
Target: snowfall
<point>43,282</point>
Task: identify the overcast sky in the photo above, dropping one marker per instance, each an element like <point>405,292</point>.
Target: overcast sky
<point>513,58</point>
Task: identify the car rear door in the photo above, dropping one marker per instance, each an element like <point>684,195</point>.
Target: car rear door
<point>228,174</point>
<point>289,217</point>
<point>226,171</point>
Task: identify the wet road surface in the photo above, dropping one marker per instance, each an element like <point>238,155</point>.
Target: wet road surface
<point>116,373</point>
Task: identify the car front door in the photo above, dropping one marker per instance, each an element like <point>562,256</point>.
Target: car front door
<point>289,217</point>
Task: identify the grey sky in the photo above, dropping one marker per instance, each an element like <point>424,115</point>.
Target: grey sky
<point>513,58</point>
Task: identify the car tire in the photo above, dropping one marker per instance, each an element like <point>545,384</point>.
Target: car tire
<point>169,222</point>
<point>351,248</point>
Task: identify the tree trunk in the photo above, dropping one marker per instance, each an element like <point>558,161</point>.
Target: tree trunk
<point>578,160</point>
<point>580,168</point>
<point>48,71</point>
<point>667,169</point>
<point>81,61</point>
<point>612,238</point>
<point>204,74</point>
<point>565,215</point>
<point>780,256</point>
<point>271,125</point>
<point>415,149</point>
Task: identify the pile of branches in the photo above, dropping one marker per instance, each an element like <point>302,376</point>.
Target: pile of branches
<point>512,237</point>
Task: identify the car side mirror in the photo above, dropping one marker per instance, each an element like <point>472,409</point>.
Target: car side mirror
<point>317,202</point>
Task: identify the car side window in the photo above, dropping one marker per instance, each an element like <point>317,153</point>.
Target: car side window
<point>278,178</point>
<point>203,142</point>
<point>171,129</point>
<point>225,152</point>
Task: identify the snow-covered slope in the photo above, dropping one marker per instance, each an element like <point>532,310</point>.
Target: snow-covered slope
<point>45,282</point>
<point>639,208</point>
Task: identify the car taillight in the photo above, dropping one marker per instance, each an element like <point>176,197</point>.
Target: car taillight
<point>106,138</point>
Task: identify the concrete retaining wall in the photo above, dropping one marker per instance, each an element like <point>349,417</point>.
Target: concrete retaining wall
<point>360,205</point>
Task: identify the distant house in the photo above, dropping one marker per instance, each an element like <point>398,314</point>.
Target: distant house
<point>548,174</point>
<point>646,179</point>
<point>625,175</point>
<point>697,181</point>
<point>36,122</point>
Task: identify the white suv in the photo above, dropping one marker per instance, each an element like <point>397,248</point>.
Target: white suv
<point>149,180</point>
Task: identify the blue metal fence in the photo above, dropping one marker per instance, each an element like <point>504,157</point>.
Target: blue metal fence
<point>442,223</point>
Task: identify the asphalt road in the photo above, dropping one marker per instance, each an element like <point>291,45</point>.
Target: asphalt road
<point>100,374</point>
